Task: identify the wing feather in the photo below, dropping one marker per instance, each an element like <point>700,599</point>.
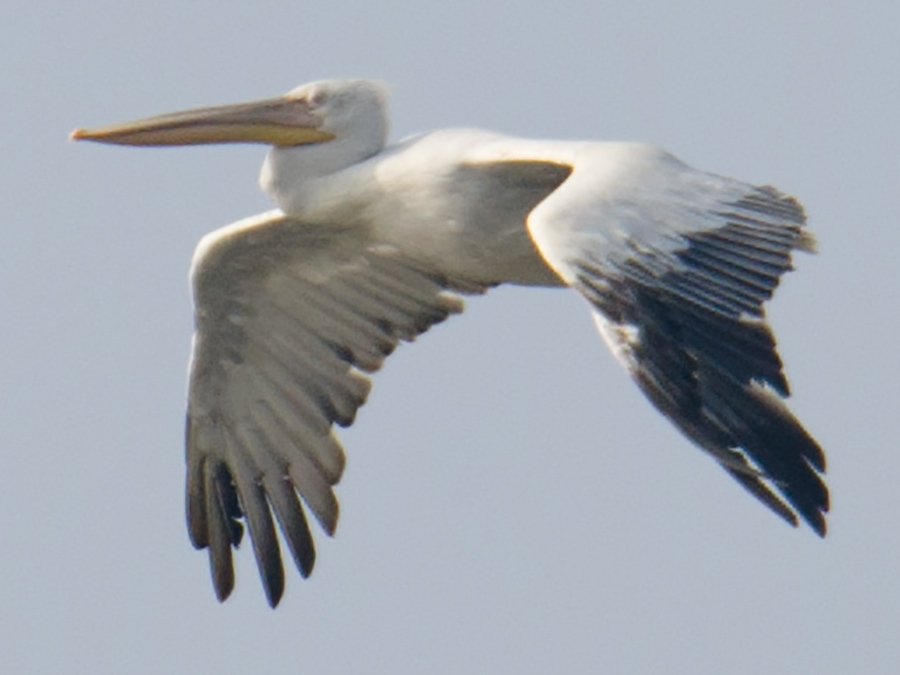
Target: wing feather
<point>219,536</point>
<point>677,265</point>
<point>289,315</point>
<point>248,482</point>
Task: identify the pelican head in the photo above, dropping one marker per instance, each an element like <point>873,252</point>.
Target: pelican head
<point>353,113</point>
<point>348,109</point>
<point>314,130</point>
<point>319,112</point>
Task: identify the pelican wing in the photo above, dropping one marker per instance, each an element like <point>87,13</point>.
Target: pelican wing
<point>289,316</point>
<point>677,265</point>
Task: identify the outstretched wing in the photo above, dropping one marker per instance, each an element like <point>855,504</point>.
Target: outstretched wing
<point>289,317</point>
<point>677,265</point>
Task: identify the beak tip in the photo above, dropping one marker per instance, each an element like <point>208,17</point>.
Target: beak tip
<point>77,135</point>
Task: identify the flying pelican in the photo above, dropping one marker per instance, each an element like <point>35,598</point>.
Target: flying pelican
<point>374,243</point>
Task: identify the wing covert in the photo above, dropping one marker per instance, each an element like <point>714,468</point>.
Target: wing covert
<point>290,317</point>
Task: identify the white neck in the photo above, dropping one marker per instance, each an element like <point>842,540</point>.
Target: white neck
<point>289,175</point>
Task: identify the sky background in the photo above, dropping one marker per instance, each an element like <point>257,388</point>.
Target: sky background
<point>511,503</point>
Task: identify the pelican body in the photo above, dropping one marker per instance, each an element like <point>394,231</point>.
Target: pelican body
<point>373,244</point>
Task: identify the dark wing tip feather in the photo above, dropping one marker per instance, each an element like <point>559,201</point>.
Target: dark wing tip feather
<point>293,524</point>
<point>197,520</point>
<point>758,489</point>
<point>264,540</point>
<point>761,424</point>
<point>220,533</point>
<point>215,511</point>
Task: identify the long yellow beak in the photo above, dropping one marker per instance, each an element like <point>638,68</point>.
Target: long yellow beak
<point>278,121</point>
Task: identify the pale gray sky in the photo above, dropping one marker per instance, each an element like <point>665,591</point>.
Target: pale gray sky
<point>511,502</point>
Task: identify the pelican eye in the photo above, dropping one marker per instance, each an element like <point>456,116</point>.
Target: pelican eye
<point>317,98</point>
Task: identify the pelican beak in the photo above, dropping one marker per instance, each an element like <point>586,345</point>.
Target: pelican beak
<point>280,121</point>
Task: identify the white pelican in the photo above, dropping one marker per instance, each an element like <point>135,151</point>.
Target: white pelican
<point>373,244</point>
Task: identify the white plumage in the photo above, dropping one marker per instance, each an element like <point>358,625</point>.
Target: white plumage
<point>374,244</point>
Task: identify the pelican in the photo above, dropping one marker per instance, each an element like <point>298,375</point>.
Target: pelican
<point>372,244</point>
